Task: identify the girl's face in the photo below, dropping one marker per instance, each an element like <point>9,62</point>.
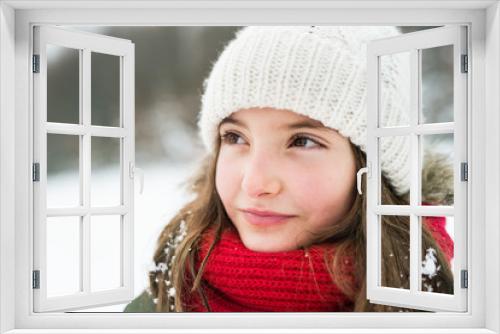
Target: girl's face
<point>277,160</point>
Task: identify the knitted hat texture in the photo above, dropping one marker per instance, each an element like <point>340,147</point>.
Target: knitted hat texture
<point>315,71</point>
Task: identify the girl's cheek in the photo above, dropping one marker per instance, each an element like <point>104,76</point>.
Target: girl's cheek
<point>226,177</point>
<point>308,188</point>
<point>320,187</point>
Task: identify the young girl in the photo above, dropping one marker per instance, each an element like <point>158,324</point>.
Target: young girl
<point>277,223</point>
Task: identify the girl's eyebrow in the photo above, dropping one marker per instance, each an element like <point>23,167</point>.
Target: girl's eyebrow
<point>291,126</point>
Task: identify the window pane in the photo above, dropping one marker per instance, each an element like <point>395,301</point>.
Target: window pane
<point>105,89</point>
<point>394,90</point>
<point>63,255</point>
<point>106,174</point>
<point>395,243</point>
<point>63,178</point>
<point>437,254</point>
<point>63,84</point>
<point>388,145</point>
<point>105,252</point>
<point>437,84</point>
<point>437,169</point>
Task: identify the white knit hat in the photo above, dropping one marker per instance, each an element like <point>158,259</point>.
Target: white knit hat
<point>316,71</point>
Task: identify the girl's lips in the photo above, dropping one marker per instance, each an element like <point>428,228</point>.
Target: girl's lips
<point>257,219</point>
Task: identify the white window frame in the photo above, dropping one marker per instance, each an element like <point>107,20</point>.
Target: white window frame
<point>85,43</point>
<point>16,19</point>
<point>411,44</point>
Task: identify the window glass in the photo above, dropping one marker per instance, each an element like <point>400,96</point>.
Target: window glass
<point>63,251</point>
<point>437,254</point>
<point>105,252</point>
<point>106,173</point>
<point>386,146</point>
<point>437,169</point>
<point>390,77</point>
<point>437,84</point>
<point>105,89</point>
<point>63,84</point>
<point>395,251</point>
<point>63,171</point>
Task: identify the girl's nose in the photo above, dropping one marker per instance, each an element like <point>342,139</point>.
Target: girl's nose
<point>260,176</point>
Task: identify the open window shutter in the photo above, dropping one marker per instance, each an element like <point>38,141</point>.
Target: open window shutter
<point>416,48</point>
<point>83,222</point>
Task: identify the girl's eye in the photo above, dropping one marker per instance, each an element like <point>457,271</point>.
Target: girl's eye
<point>230,138</point>
<point>302,140</point>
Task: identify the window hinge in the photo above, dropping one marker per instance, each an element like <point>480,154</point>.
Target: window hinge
<point>465,279</point>
<point>36,172</point>
<point>36,279</point>
<point>465,65</point>
<point>464,168</point>
<point>36,63</point>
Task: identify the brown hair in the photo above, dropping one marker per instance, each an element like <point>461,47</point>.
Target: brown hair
<point>349,236</point>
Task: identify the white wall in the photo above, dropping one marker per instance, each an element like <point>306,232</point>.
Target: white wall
<point>7,169</point>
<point>492,213</point>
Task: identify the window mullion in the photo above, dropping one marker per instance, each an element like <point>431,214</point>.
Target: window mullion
<point>426,210</point>
<point>414,170</point>
<point>420,129</point>
<point>80,211</point>
<point>86,152</point>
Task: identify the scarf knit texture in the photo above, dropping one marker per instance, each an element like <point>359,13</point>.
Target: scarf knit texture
<point>237,279</point>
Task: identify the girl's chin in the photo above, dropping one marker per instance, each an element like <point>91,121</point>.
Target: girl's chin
<point>267,244</point>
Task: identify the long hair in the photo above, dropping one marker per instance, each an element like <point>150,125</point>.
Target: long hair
<point>348,236</point>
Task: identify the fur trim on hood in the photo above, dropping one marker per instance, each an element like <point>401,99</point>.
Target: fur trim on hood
<point>437,179</point>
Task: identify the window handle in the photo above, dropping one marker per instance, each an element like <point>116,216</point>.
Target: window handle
<point>359,174</point>
<point>136,171</point>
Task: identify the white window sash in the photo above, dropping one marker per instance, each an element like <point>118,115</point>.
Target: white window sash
<point>85,43</point>
<point>413,297</point>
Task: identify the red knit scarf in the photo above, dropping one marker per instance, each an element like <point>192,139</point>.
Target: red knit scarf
<point>237,279</point>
